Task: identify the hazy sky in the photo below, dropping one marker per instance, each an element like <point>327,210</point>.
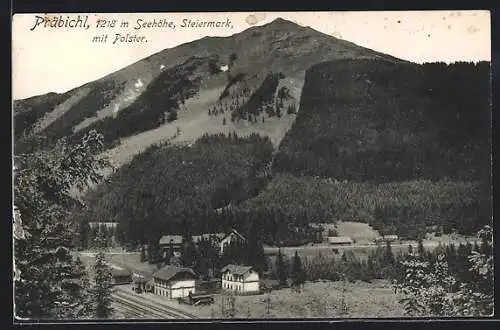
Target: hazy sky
<point>59,59</point>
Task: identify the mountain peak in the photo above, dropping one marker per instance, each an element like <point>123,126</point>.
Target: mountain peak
<point>280,22</point>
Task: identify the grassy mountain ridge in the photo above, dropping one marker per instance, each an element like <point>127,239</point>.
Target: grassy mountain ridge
<point>28,111</point>
<point>279,46</point>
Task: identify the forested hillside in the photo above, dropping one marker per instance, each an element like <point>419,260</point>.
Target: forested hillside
<point>408,209</point>
<point>375,120</point>
<point>28,111</point>
<point>168,189</point>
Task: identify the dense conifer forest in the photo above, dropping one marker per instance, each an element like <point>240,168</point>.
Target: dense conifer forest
<point>369,120</point>
<point>167,188</point>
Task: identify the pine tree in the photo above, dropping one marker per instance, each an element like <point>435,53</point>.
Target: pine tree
<point>388,258</point>
<point>172,115</point>
<point>255,255</point>
<point>344,257</point>
<point>84,234</point>
<point>111,235</point>
<point>71,276</point>
<point>297,275</point>
<point>278,111</point>
<point>188,256</point>
<point>92,236</point>
<point>268,305</point>
<point>370,268</point>
<point>332,233</point>
<point>143,254</point>
<point>103,282</point>
<point>388,261</point>
<point>101,292</point>
<point>182,97</point>
<point>81,290</point>
<point>281,272</point>
<point>43,237</point>
<point>421,249</point>
<point>232,57</point>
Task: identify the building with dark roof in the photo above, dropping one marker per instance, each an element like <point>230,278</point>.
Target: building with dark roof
<point>240,279</point>
<point>174,282</point>
<point>232,236</point>
<point>173,243</point>
<point>170,244</point>
<point>121,276</point>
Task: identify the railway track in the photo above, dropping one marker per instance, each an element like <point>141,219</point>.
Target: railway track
<point>126,311</point>
<point>149,308</point>
<point>136,310</point>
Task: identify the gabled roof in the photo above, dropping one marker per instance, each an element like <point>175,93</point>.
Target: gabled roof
<point>168,272</point>
<point>167,239</point>
<point>233,231</point>
<point>236,269</point>
<point>221,209</point>
<point>120,272</point>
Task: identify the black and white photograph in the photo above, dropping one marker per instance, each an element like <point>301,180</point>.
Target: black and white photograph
<point>252,166</point>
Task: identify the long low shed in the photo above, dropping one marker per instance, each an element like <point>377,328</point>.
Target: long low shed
<point>340,240</point>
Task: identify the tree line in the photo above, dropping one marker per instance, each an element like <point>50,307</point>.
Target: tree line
<point>282,205</point>
<point>407,209</point>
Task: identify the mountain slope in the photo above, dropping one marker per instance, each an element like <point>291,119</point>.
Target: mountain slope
<point>374,120</point>
<point>127,97</point>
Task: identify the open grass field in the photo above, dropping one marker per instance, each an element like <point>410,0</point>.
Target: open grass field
<point>361,233</point>
<point>317,300</point>
<point>125,260</point>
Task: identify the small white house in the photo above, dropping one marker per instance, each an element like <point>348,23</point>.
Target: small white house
<point>174,282</point>
<point>240,279</point>
<point>232,236</point>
